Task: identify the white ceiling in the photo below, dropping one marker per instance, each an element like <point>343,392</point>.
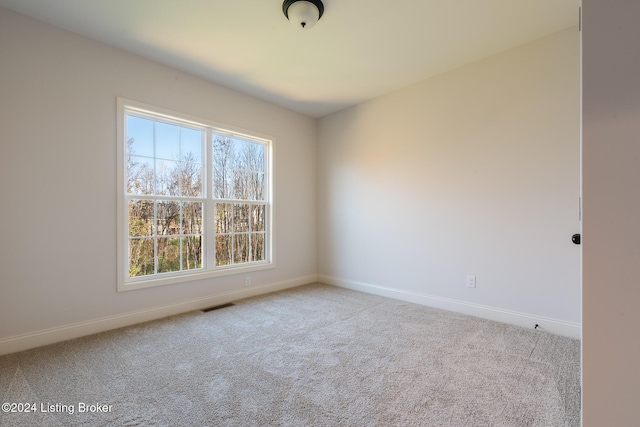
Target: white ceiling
<point>360,49</point>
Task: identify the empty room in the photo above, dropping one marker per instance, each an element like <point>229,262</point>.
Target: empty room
<point>319,213</point>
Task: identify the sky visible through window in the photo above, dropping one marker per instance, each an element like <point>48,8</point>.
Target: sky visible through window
<point>171,140</point>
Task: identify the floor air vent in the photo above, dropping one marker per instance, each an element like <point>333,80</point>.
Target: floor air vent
<point>216,307</point>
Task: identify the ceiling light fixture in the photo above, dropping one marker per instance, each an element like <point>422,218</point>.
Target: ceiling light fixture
<point>303,13</point>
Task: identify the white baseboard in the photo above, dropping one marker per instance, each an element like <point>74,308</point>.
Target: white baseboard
<point>62,333</point>
<point>554,326</point>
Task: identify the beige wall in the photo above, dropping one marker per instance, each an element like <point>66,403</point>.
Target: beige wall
<point>611,189</point>
<point>475,171</point>
<point>58,176</point>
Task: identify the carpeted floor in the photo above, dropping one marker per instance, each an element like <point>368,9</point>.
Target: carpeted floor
<point>315,355</point>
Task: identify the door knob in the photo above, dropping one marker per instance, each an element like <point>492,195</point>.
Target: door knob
<point>575,239</point>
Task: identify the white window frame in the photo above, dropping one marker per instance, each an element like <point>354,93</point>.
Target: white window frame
<point>209,269</point>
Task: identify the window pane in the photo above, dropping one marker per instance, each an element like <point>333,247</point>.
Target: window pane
<point>241,184</point>
<point>220,185</point>
<point>168,214</point>
<point>140,257</point>
<point>257,247</point>
<point>141,217</point>
<point>222,167</point>
<point>248,185</point>
<point>241,248</point>
<point>238,168</point>
<point>223,250</point>
<point>240,218</point>
<point>192,218</point>
<point>167,141</point>
<point>140,175</point>
<point>241,153</point>
<point>223,217</point>
<point>257,185</point>
<point>191,176</point>
<point>257,217</point>
<point>168,254</point>
<point>191,252</point>
<point>191,145</point>
<point>139,136</point>
<point>248,155</point>
<point>167,178</point>
<point>257,153</point>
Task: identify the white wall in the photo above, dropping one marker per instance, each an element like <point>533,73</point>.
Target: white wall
<point>611,188</point>
<point>475,171</point>
<point>58,180</point>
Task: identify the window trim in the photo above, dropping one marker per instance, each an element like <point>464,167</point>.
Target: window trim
<point>124,282</point>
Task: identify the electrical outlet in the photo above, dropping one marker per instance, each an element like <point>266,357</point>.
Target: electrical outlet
<point>471,281</point>
<point>247,281</point>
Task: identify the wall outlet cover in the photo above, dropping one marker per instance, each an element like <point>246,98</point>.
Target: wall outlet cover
<point>471,281</point>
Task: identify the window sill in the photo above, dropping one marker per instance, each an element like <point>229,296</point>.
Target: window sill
<point>182,277</point>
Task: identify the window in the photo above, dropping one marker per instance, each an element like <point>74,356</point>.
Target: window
<point>238,189</point>
<point>195,198</point>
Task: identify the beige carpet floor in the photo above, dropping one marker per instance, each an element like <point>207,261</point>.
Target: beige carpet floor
<point>315,355</point>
